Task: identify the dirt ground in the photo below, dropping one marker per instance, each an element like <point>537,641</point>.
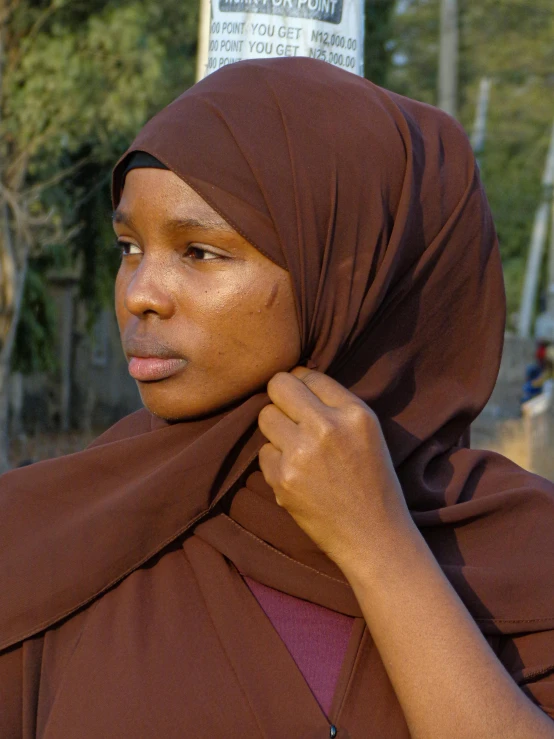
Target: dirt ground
<point>528,443</point>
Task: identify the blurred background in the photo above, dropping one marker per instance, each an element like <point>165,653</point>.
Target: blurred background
<point>78,78</point>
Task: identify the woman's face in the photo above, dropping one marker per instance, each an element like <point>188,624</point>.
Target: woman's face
<point>205,319</point>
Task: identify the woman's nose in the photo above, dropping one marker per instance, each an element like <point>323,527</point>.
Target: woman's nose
<point>148,291</point>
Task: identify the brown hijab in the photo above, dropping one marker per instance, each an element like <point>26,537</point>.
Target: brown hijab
<point>374,205</point>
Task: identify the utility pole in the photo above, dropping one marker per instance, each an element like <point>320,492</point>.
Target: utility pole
<point>204,21</point>
<point>536,247</point>
<point>448,57</point>
<point>480,124</point>
<point>544,325</point>
<point>550,290</point>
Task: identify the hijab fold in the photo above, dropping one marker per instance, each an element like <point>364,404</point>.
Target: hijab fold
<point>374,205</point>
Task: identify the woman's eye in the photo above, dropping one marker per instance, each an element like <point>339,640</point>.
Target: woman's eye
<point>200,255</point>
<point>127,249</point>
<point>196,253</point>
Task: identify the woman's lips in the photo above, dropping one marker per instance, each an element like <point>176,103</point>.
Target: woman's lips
<point>146,369</point>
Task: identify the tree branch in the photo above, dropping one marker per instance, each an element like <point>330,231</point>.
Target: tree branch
<point>18,211</point>
<point>43,17</point>
<point>40,187</point>
<point>7,275</point>
<point>8,338</point>
<point>7,11</point>
<point>35,28</point>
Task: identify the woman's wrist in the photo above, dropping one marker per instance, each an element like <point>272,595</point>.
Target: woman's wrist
<point>388,557</point>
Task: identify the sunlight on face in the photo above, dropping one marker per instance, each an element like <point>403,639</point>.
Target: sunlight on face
<point>205,319</point>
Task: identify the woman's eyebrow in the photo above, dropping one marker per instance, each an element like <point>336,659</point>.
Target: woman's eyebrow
<point>119,216</point>
<point>206,224</point>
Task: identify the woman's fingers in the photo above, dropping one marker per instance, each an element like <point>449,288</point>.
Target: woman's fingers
<point>310,397</point>
<point>328,391</point>
<point>277,427</point>
<point>302,392</point>
<point>269,459</point>
<point>293,397</point>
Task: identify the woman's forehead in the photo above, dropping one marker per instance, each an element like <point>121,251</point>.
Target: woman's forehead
<point>168,197</point>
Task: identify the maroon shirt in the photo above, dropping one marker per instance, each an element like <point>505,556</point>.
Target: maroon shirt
<point>316,637</point>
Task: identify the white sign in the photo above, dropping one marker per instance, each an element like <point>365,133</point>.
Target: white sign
<point>331,30</point>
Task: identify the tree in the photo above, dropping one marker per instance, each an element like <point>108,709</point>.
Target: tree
<point>74,77</point>
<point>378,15</point>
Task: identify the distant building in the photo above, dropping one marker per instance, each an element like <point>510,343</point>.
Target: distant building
<point>92,388</point>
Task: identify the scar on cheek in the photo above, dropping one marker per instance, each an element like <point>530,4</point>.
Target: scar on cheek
<point>272,295</point>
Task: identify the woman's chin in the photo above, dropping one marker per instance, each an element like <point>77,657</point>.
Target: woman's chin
<point>168,404</point>
<point>175,405</point>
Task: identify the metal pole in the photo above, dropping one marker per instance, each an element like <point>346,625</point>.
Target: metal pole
<point>66,352</point>
<point>204,21</point>
<point>536,248</point>
<point>550,289</point>
<point>480,124</point>
<point>544,325</point>
<point>448,57</point>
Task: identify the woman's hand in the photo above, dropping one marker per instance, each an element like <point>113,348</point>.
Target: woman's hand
<point>329,466</point>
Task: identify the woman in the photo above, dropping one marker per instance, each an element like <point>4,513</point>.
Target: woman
<point>326,559</point>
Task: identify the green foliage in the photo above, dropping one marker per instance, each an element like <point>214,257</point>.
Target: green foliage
<point>95,243</point>
<point>378,16</point>
<point>35,341</point>
<point>71,86</point>
<point>80,79</point>
<point>415,47</point>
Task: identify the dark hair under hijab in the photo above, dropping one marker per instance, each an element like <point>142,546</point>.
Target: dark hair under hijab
<point>141,160</point>
<point>373,203</point>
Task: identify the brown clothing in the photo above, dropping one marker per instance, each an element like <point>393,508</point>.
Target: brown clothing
<point>181,648</point>
<point>122,612</point>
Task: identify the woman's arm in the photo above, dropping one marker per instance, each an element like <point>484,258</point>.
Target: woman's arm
<point>329,466</point>
<point>446,677</point>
